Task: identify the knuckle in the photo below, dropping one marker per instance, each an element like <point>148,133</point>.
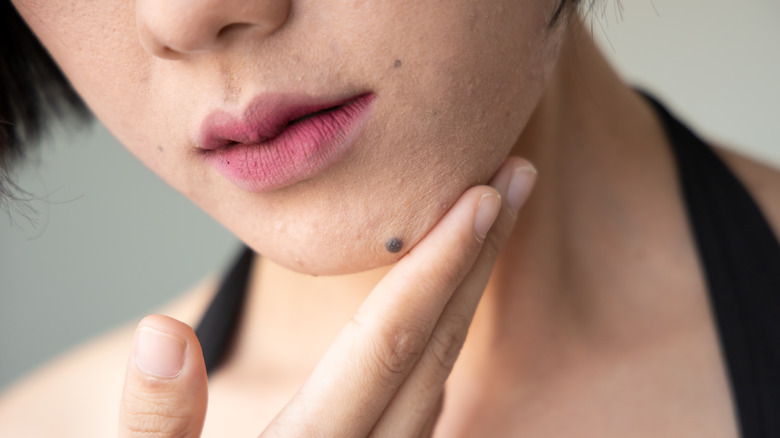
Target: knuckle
<point>447,340</point>
<point>394,353</point>
<point>153,425</point>
<point>159,417</point>
<point>150,428</point>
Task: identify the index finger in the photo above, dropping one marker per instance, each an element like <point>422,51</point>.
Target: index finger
<point>372,356</point>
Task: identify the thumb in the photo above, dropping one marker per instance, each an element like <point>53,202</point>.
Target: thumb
<point>165,392</point>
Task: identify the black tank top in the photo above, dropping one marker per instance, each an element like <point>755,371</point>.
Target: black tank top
<point>738,251</point>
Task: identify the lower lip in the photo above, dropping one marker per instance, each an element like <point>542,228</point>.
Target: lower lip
<point>305,148</point>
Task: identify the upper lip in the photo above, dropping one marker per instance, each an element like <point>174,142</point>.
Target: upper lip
<point>264,118</point>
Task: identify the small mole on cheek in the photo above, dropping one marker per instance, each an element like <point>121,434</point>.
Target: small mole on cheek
<point>397,63</point>
<point>160,148</point>
<point>393,244</point>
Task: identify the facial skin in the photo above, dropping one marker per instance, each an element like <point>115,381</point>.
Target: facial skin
<point>455,84</point>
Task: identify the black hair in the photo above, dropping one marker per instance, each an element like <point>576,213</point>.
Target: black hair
<point>564,8</point>
<point>32,91</point>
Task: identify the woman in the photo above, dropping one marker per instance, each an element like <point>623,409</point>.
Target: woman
<point>595,316</point>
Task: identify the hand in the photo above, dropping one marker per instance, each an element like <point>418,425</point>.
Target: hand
<point>384,374</point>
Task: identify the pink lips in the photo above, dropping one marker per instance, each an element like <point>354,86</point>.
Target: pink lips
<point>281,139</point>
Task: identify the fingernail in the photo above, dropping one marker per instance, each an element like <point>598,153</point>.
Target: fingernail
<point>519,187</point>
<point>487,211</point>
<point>159,354</point>
<point>500,182</point>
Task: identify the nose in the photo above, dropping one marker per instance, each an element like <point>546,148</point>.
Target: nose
<point>172,29</point>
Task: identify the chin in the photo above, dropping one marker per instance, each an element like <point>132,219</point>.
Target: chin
<point>352,239</point>
<point>330,258</point>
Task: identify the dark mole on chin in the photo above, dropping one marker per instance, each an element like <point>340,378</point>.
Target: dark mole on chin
<point>397,63</point>
<point>393,244</point>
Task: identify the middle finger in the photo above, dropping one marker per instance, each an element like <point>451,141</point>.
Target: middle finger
<point>368,361</point>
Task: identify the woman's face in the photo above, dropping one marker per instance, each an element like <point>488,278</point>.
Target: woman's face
<point>437,94</point>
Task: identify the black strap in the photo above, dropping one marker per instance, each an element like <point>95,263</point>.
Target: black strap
<point>741,259</point>
<point>216,329</point>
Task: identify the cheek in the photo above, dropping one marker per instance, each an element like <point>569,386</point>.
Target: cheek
<point>456,83</point>
<point>444,120</point>
<point>96,46</point>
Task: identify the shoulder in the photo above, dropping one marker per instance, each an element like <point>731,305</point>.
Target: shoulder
<point>63,394</point>
<point>78,394</point>
<point>761,180</point>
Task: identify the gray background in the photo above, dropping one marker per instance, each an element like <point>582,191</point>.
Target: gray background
<point>113,242</point>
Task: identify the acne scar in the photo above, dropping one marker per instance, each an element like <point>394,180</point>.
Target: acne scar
<point>397,63</point>
<point>393,244</point>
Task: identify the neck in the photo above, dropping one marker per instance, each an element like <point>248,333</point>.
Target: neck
<point>558,256</point>
<point>585,241</point>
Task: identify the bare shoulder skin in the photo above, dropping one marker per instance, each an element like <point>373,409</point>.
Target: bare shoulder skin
<point>78,393</point>
<point>594,322</point>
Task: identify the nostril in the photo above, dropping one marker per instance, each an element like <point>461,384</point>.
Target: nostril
<point>168,53</point>
<point>154,45</point>
<point>232,28</point>
<point>174,29</point>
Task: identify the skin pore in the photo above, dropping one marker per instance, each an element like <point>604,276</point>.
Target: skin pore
<point>595,306</point>
<point>595,312</point>
<point>422,146</point>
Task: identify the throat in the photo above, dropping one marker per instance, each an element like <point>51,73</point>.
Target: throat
<point>290,319</point>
